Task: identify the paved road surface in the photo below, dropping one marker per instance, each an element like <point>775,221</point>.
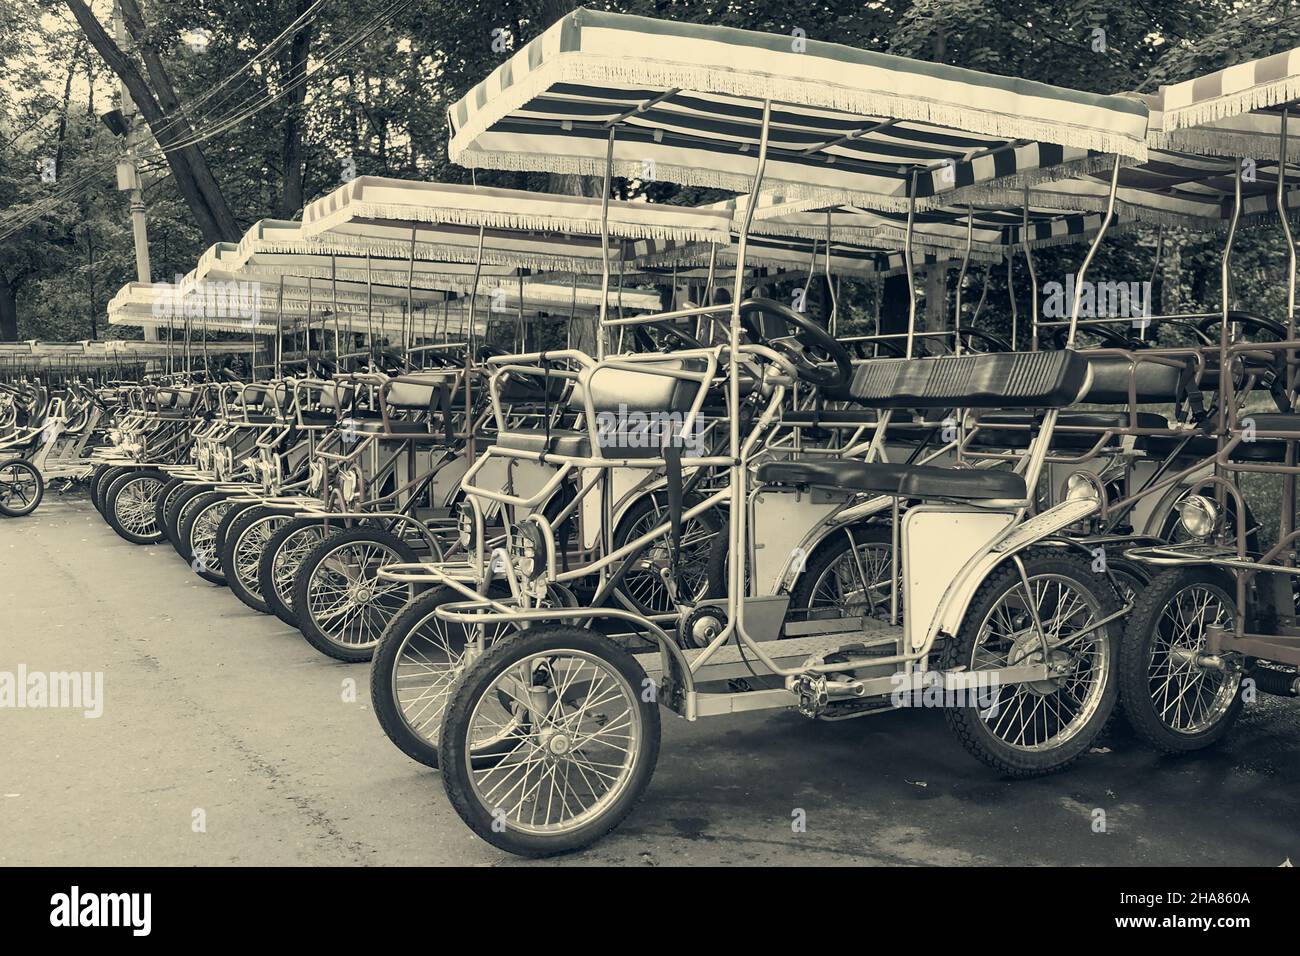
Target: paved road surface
<point>210,706</point>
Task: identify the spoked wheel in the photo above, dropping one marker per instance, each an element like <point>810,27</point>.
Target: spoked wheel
<point>643,583</point>
<point>129,506</point>
<point>341,605</point>
<point>1171,694</point>
<point>241,554</point>
<point>21,488</point>
<point>548,740</point>
<point>99,489</point>
<point>179,511</point>
<point>198,530</point>
<point>277,569</point>
<point>418,660</point>
<point>1031,728</point>
<point>164,505</point>
<point>849,575</point>
<point>92,483</point>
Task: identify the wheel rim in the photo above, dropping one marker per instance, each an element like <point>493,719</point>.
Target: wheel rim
<point>248,550</point>
<point>575,742</point>
<point>428,663</point>
<point>288,559</point>
<point>643,582</point>
<point>18,486</point>
<point>203,536</point>
<point>854,584</point>
<point>134,506</point>
<point>346,601</point>
<point>1043,715</point>
<point>1189,698</point>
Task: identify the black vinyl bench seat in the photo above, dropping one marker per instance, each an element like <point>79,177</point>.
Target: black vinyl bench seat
<point>901,480</point>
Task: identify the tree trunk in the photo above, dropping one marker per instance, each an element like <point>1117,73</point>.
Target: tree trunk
<point>8,309</point>
<point>169,126</point>
<point>292,153</point>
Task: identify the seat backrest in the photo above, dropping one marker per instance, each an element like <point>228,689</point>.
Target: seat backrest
<point>1155,381</point>
<point>614,389</point>
<point>979,380</point>
<point>416,391</point>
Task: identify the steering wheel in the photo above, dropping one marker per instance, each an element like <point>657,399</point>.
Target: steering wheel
<point>995,343</point>
<point>1255,323</point>
<point>647,344</point>
<point>1110,338</point>
<point>809,336</point>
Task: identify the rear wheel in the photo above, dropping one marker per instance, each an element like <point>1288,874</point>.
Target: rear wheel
<point>277,570</point>
<point>417,662</point>
<point>849,575</point>
<point>643,583</point>
<point>341,605</point>
<point>1030,728</point>
<point>549,740</point>
<point>129,506</point>
<point>1172,696</point>
<point>21,488</point>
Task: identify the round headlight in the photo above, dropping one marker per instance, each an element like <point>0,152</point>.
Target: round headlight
<point>1082,486</point>
<point>530,550</point>
<point>1198,515</point>
<point>465,525</point>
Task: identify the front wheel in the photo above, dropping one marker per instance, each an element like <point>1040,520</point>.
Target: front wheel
<point>21,488</point>
<point>341,604</point>
<point>418,660</point>
<point>1174,698</point>
<point>241,553</point>
<point>583,734</point>
<point>129,506</point>
<point>277,569</point>
<point>1030,728</point>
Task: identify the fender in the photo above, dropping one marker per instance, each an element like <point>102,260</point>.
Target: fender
<point>952,607</point>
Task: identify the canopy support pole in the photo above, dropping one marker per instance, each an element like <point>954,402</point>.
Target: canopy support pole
<point>738,532</point>
<point>961,278</point>
<point>907,263</point>
<point>1033,275</point>
<point>1092,251</point>
<point>1289,481</point>
<point>604,249</point>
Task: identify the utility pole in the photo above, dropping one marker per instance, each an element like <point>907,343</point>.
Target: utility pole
<point>128,171</point>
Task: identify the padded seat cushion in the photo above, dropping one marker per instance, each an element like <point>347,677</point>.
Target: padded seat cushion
<point>564,441</point>
<point>1204,446</point>
<point>907,481</point>
<point>978,380</point>
<point>1155,381</point>
<point>990,435</point>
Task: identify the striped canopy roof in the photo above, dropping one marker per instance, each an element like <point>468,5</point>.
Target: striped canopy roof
<point>993,230</point>
<point>1257,86</point>
<point>304,260</point>
<point>847,125</point>
<point>774,254</point>
<point>521,228</point>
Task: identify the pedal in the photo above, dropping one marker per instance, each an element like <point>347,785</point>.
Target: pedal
<point>812,693</point>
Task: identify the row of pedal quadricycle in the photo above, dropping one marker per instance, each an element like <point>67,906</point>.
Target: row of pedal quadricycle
<point>420,510</point>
